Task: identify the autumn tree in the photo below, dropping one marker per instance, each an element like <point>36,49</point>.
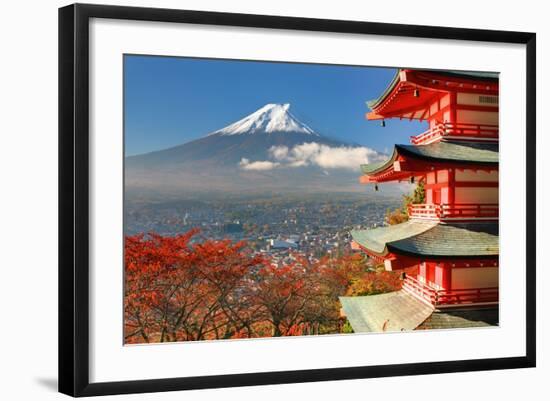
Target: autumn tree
<point>179,291</point>
<point>184,288</point>
<point>287,295</point>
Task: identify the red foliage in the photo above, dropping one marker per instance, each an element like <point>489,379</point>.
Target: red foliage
<point>180,289</point>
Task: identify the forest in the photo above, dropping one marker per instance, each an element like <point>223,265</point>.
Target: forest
<point>189,288</point>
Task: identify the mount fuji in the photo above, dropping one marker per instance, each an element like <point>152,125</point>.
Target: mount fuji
<point>268,150</point>
<point>271,118</point>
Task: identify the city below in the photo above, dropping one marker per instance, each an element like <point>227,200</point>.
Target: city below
<point>282,227</point>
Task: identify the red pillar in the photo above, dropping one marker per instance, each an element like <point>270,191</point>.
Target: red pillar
<point>422,270</point>
<point>452,105</point>
<point>447,276</point>
<point>451,188</point>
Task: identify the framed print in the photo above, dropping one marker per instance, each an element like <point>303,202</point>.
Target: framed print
<point>278,199</point>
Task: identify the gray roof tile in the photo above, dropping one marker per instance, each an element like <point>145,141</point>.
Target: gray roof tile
<point>393,311</point>
<point>376,238</point>
<point>443,151</point>
<point>474,152</point>
<point>461,318</point>
<point>418,237</point>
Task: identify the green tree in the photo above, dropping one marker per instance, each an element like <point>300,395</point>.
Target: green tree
<point>346,328</point>
<point>400,215</point>
<point>418,195</point>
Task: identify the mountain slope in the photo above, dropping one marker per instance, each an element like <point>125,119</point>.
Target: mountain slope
<point>268,150</point>
<point>250,137</point>
<point>227,149</point>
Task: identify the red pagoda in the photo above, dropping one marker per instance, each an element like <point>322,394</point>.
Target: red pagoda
<point>449,246</point>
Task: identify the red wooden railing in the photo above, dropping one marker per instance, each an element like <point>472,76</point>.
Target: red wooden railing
<point>457,211</point>
<point>457,131</point>
<point>420,289</point>
<point>450,297</point>
<point>467,296</point>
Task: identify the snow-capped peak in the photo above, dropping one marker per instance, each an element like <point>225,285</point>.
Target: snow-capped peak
<point>270,118</point>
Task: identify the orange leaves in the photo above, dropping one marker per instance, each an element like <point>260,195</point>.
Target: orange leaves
<point>371,283</point>
<point>184,288</point>
<point>177,289</point>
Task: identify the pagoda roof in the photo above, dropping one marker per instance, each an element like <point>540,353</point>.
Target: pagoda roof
<point>401,311</point>
<point>433,83</point>
<point>461,318</point>
<point>376,239</point>
<point>482,154</point>
<point>374,102</point>
<point>477,75</point>
<point>392,311</point>
<point>432,239</point>
<point>471,75</point>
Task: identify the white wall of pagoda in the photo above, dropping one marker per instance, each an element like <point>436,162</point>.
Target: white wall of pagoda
<point>475,277</point>
<point>442,276</point>
<point>470,109</point>
<point>482,196</point>
<point>476,117</point>
<point>476,194</point>
<point>476,99</point>
<point>476,175</point>
<point>440,188</point>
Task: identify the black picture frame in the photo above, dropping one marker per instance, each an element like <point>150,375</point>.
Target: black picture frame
<point>74,198</point>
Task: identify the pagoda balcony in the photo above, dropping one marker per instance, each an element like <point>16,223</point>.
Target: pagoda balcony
<point>457,132</point>
<point>449,298</point>
<point>455,212</point>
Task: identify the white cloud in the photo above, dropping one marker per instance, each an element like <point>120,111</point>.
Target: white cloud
<point>324,156</point>
<point>257,166</point>
<point>279,152</point>
<point>315,154</point>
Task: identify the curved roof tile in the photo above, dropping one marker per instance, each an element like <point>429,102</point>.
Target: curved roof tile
<point>443,152</point>
<point>423,238</point>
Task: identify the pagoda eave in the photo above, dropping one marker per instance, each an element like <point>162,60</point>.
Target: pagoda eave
<point>388,176</point>
<point>378,257</point>
<point>373,116</point>
<point>431,240</point>
<point>403,96</point>
<point>408,168</point>
<point>415,161</point>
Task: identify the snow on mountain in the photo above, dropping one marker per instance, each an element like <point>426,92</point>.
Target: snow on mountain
<point>269,119</point>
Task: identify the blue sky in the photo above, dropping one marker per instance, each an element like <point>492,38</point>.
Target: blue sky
<point>173,100</point>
